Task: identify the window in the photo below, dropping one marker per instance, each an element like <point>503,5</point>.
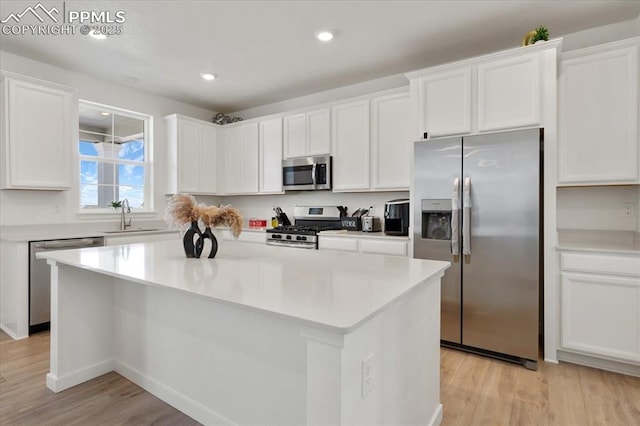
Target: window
<point>114,147</point>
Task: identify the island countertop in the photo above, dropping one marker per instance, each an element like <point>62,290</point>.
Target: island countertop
<point>331,290</point>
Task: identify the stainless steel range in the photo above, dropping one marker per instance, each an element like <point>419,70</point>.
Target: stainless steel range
<point>309,220</point>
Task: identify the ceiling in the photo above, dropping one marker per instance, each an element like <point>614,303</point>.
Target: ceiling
<point>265,51</point>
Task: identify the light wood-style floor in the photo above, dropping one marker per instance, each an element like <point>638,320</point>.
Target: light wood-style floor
<point>474,391</point>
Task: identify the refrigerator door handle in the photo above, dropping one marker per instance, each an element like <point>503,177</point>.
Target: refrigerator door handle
<point>466,217</point>
<point>455,214</point>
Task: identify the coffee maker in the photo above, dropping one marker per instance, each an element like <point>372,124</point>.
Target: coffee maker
<point>396,217</point>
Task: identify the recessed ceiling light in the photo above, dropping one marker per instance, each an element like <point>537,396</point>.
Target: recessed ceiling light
<point>324,35</point>
<point>97,36</point>
<point>208,76</point>
<point>104,113</point>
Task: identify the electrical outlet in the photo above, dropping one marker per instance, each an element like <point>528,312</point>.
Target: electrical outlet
<point>629,210</point>
<point>55,208</point>
<point>367,375</point>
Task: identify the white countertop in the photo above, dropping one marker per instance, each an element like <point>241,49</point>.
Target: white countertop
<point>58,231</point>
<point>331,290</point>
<point>622,242</point>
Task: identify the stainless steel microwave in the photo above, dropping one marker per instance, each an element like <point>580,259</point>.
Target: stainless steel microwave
<point>306,173</point>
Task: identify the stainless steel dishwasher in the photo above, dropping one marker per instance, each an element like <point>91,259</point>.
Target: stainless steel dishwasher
<point>40,278</point>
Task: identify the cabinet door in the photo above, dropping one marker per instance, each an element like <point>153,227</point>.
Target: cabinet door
<point>295,136</point>
<point>41,128</point>
<point>188,156</point>
<point>383,246</point>
<point>208,160</point>
<point>248,158</point>
<point>319,132</point>
<point>241,159</point>
<point>270,153</point>
<point>445,103</point>
<point>232,163</point>
<point>350,146</point>
<point>509,93</point>
<point>391,141</point>
<point>599,118</point>
<point>601,315</point>
<point>338,243</point>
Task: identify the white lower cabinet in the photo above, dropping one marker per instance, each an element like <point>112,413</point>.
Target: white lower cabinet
<point>386,246</point>
<point>600,305</point>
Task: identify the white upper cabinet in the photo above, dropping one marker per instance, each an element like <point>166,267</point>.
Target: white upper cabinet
<point>39,133</point>
<point>445,103</point>
<point>509,93</point>
<point>598,126</point>
<point>241,152</point>
<point>193,155</point>
<point>350,146</point>
<point>307,133</point>
<point>500,91</point>
<point>391,141</point>
<point>270,155</point>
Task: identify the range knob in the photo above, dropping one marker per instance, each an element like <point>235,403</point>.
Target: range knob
<point>288,237</point>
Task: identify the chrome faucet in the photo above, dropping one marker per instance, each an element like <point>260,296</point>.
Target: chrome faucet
<point>123,221</point>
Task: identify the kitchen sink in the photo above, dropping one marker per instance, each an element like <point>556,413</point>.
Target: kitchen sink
<point>127,231</point>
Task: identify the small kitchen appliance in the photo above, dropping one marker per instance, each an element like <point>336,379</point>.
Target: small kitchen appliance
<point>308,222</point>
<point>306,173</point>
<point>370,224</point>
<point>396,217</point>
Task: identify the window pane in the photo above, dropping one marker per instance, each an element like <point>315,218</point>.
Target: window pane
<point>132,150</point>
<point>88,196</point>
<point>88,172</point>
<point>130,175</point>
<point>88,148</point>
<point>135,195</point>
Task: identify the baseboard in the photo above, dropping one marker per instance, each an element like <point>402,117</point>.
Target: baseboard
<point>11,334</point>
<point>602,364</point>
<point>70,380</point>
<point>172,397</point>
<point>436,418</point>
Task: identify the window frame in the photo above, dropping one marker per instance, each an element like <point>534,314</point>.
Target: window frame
<point>147,164</point>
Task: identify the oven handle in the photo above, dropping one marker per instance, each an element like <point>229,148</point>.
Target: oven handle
<point>313,173</point>
<point>291,244</point>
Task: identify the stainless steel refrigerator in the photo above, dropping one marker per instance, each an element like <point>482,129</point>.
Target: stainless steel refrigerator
<point>477,203</point>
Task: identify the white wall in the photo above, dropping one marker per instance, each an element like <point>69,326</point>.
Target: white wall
<point>261,207</point>
<point>598,208</point>
<point>18,207</point>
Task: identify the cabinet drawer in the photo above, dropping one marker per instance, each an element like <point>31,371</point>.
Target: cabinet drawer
<point>339,243</point>
<point>394,248</point>
<point>617,264</point>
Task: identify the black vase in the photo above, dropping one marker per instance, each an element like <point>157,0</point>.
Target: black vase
<point>187,241</point>
<point>207,234</point>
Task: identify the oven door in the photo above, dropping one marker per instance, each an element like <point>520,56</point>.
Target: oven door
<point>309,173</point>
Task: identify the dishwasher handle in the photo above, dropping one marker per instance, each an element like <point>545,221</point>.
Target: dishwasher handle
<point>60,244</point>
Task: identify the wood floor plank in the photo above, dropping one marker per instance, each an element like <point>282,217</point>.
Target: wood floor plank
<point>474,391</point>
<point>566,403</point>
<point>495,402</point>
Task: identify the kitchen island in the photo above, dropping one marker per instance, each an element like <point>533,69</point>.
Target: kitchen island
<point>259,334</point>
